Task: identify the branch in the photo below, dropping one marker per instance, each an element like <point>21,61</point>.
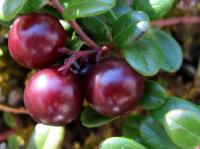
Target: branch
<point>56,4</point>
<point>176,21</point>
<point>83,35</point>
<point>75,55</point>
<point>5,108</point>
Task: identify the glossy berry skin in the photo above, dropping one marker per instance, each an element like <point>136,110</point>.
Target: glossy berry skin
<point>53,98</point>
<point>34,40</point>
<point>113,88</point>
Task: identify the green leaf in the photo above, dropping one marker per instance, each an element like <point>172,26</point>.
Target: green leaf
<point>50,10</point>
<point>120,143</point>
<point>90,118</point>
<point>129,28</point>
<point>172,104</point>
<point>9,120</point>
<point>155,136</point>
<point>14,142</point>
<point>32,5</point>
<point>172,52</point>
<point>144,56</point>
<point>75,43</point>
<point>96,27</point>
<point>154,8</point>
<point>154,96</point>
<point>131,126</point>
<point>121,8</point>
<point>112,15</point>
<point>183,127</point>
<point>10,8</point>
<point>85,8</point>
<point>46,137</point>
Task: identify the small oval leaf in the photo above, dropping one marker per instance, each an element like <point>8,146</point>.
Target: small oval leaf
<point>144,56</point>
<point>32,5</point>
<point>171,50</point>
<point>90,118</point>
<point>10,8</point>
<point>155,136</point>
<point>154,96</point>
<point>46,137</point>
<point>9,119</point>
<point>85,8</point>
<point>14,142</point>
<point>131,126</point>
<point>183,127</point>
<point>100,30</point>
<point>154,8</point>
<point>120,143</point>
<point>129,28</point>
<point>172,104</point>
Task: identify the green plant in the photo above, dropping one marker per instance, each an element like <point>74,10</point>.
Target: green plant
<point>120,30</point>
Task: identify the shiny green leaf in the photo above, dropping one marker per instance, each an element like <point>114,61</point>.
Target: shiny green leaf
<point>144,56</point>
<point>120,143</point>
<point>172,104</point>
<point>154,96</point>
<point>154,8</point>
<point>129,28</point>
<point>131,126</point>
<point>10,8</point>
<point>171,50</point>
<point>32,5</point>
<point>183,127</point>
<point>85,8</point>
<point>155,136</point>
<point>90,118</point>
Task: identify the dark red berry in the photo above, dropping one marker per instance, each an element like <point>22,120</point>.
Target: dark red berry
<point>53,98</point>
<point>34,40</point>
<point>113,88</point>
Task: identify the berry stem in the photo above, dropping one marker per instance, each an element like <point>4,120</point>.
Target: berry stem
<point>75,26</point>
<point>75,56</point>
<point>56,4</point>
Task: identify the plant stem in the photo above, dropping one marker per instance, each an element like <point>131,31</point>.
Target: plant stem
<point>5,108</point>
<point>75,55</point>
<point>83,35</point>
<point>4,136</point>
<point>75,26</point>
<point>176,21</point>
<point>57,5</point>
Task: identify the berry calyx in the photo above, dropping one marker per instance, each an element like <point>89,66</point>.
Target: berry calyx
<point>53,98</point>
<point>113,88</point>
<point>34,40</point>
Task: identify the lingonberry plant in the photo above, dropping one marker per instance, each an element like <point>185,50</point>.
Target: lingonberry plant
<point>110,56</point>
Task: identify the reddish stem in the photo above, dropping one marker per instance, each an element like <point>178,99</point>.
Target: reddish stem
<point>58,6</point>
<point>75,55</point>
<point>176,21</point>
<point>4,136</point>
<point>75,26</point>
<point>83,35</point>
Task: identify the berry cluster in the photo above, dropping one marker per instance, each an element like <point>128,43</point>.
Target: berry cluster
<point>54,97</point>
